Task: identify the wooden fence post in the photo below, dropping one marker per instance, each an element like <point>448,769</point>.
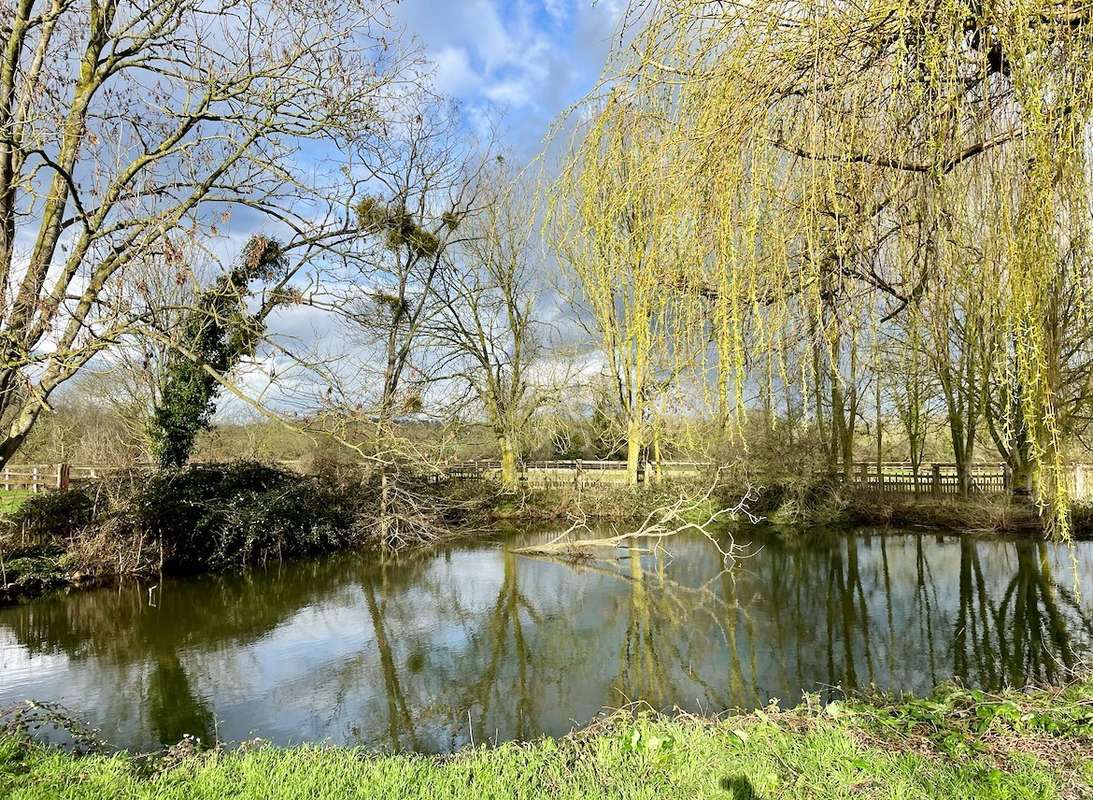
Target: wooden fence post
<point>64,475</point>
<point>863,473</point>
<point>936,480</point>
<point>7,479</point>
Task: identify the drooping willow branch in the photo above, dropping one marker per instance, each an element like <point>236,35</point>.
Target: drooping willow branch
<point>792,167</point>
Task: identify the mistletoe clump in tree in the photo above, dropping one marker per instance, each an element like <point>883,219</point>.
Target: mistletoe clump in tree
<point>218,332</point>
<point>416,245</point>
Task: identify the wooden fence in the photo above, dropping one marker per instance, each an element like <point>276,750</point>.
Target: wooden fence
<point>36,477</point>
<point>928,479</point>
<point>941,479</point>
<point>580,472</point>
<point>899,478</point>
<point>39,477</point>
<point>931,479</point>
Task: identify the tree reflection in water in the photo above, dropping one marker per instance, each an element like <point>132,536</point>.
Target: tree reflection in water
<point>477,642</point>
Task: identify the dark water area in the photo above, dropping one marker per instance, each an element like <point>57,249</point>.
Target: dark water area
<point>421,653</point>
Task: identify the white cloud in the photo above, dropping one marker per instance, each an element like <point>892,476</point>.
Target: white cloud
<point>557,9</point>
<point>513,93</point>
<point>531,58</point>
<point>454,74</point>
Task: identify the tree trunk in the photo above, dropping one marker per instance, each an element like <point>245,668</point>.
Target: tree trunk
<point>1020,459</point>
<point>842,431</point>
<point>963,475</point>
<point>633,448</point>
<point>385,520</point>
<point>880,430</point>
<point>509,476</point>
<point>817,398</point>
<point>656,476</point>
<point>18,430</point>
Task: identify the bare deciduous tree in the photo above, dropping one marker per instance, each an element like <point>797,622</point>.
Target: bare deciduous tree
<point>420,184</point>
<point>487,329</point>
<point>127,125</point>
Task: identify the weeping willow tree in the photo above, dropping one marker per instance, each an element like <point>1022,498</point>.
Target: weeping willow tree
<point>630,253</point>
<point>837,162</point>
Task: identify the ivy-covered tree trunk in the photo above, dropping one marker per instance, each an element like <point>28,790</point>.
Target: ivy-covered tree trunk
<point>218,333</point>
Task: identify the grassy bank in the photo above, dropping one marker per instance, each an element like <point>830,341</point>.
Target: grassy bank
<point>11,500</point>
<point>957,744</point>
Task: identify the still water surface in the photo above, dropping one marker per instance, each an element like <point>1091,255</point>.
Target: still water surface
<point>420,653</point>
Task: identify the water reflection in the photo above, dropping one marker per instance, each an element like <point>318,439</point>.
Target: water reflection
<point>477,643</point>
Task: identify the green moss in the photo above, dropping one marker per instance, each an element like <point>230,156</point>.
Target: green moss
<point>860,749</point>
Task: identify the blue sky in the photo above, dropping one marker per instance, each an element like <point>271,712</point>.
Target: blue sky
<point>517,62</point>
<point>528,59</point>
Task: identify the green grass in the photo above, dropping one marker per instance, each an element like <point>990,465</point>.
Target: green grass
<point>11,500</point>
<point>955,745</point>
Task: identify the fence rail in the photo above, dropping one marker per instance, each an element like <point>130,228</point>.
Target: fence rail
<point>934,478</point>
<point>928,479</point>
<point>40,477</point>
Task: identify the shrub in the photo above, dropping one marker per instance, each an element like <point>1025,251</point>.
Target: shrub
<point>54,516</point>
<point>219,517</point>
<point>201,517</point>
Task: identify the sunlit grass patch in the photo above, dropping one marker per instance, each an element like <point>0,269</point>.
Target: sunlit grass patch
<point>11,500</point>
<point>846,750</point>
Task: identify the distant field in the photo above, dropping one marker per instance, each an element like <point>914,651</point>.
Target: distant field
<point>12,499</point>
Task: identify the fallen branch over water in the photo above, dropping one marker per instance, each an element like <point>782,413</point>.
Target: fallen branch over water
<point>686,514</point>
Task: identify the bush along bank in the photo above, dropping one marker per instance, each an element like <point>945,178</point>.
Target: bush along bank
<point>203,518</point>
<point>222,517</point>
<point>955,744</point>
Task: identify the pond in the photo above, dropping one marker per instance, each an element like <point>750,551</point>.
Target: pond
<point>474,642</point>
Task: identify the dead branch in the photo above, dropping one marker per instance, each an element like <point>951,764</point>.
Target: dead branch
<point>659,524</point>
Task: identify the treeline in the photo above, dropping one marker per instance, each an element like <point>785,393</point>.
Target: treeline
<point>777,262</point>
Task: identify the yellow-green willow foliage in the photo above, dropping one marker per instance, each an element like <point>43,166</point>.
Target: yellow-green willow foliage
<point>834,160</point>
<point>619,227</point>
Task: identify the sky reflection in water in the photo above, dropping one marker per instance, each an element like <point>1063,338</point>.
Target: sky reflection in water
<point>411,655</point>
